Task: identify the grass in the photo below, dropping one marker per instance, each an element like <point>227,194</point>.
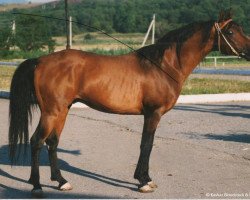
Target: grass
<point>192,86</point>
<point>214,86</point>
<point>6,74</point>
<point>101,41</point>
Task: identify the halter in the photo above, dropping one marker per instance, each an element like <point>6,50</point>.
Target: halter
<point>218,28</point>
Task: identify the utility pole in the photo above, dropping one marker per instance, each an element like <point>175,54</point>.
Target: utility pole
<point>153,30</point>
<point>67,24</point>
<point>151,26</point>
<point>70,31</point>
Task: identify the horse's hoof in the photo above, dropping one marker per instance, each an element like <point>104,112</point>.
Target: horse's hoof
<point>66,186</point>
<point>37,193</point>
<point>152,184</point>
<point>146,189</point>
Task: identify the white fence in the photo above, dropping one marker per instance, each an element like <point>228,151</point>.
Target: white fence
<point>224,61</point>
<point>215,59</point>
<point>13,64</point>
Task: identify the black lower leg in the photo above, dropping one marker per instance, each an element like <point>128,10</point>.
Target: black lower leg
<point>141,172</point>
<point>150,123</point>
<point>52,143</point>
<point>36,145</point>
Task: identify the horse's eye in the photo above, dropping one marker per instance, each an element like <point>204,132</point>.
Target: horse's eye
<point>229,32</point>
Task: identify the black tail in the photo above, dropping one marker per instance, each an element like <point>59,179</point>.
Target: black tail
<point>22,97</point>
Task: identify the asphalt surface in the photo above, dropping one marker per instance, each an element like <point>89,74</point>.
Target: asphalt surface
<point>200,151</point>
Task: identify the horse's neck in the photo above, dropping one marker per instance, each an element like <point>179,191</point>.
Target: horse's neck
<point>193,52</point>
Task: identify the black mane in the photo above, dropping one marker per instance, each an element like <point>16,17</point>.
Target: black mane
<point>154,52</point>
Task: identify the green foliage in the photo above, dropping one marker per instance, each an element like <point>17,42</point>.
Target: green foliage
<point>135,15</point>
<point>6,38</point>
<point>16,54</point>
<point>88,36</point>
<point>110,52</point>
<point>31,34</point>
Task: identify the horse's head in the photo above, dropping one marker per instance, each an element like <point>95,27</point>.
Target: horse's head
<point>231,38</point>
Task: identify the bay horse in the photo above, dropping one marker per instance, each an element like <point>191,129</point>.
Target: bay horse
<point>145,82</point>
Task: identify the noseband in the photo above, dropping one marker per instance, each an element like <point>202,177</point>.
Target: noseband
<point>218,28</point>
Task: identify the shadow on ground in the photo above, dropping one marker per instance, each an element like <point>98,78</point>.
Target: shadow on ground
<point>241,137</point>
<point>225,110</point>
<point>9,192</point>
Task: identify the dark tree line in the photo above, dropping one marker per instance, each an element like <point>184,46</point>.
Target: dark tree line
<point>123,16</point>
<point>128,16</point>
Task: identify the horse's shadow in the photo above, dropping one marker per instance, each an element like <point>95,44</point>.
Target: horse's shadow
<point>44,161</point>
<point>11,192</point>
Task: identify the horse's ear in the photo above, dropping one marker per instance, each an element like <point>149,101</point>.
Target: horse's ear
<point>228,14</point>
<point>225,15</point>
<point>221,16</point>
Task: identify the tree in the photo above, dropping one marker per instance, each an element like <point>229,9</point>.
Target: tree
<point>6,38</point>
<point>32,34</point>
<point>134,15</point>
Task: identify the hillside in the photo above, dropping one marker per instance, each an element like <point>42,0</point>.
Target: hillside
<point>133,15</point>
<point>10,7</point>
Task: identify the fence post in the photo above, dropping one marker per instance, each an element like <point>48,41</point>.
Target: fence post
<point>70,32</point>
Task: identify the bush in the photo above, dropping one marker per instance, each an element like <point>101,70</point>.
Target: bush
<point>8,55</point>
<point>110,52</point>
<point>88,36</point>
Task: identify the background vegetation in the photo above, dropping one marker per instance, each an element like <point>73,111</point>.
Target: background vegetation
<point>124,16</point>
<point>128,16</point>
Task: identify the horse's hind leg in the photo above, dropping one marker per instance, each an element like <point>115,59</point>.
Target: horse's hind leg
<point>36,144</point>
<point>52,142</point>
<point>46,127</point>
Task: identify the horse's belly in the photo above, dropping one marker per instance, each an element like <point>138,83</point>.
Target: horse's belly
<point>114,96</point>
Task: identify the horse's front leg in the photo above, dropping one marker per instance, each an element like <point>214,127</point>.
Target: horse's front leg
<point>141,173</point>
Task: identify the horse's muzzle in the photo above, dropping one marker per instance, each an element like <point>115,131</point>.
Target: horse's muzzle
<point>246,54</point>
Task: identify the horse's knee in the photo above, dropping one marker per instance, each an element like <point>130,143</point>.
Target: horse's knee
<point>36,141</point>
<point>52,142</point>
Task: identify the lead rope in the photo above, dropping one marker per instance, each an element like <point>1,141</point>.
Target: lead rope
<point>220,33</point>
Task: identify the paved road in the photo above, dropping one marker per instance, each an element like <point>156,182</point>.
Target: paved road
<point>200,151</point>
